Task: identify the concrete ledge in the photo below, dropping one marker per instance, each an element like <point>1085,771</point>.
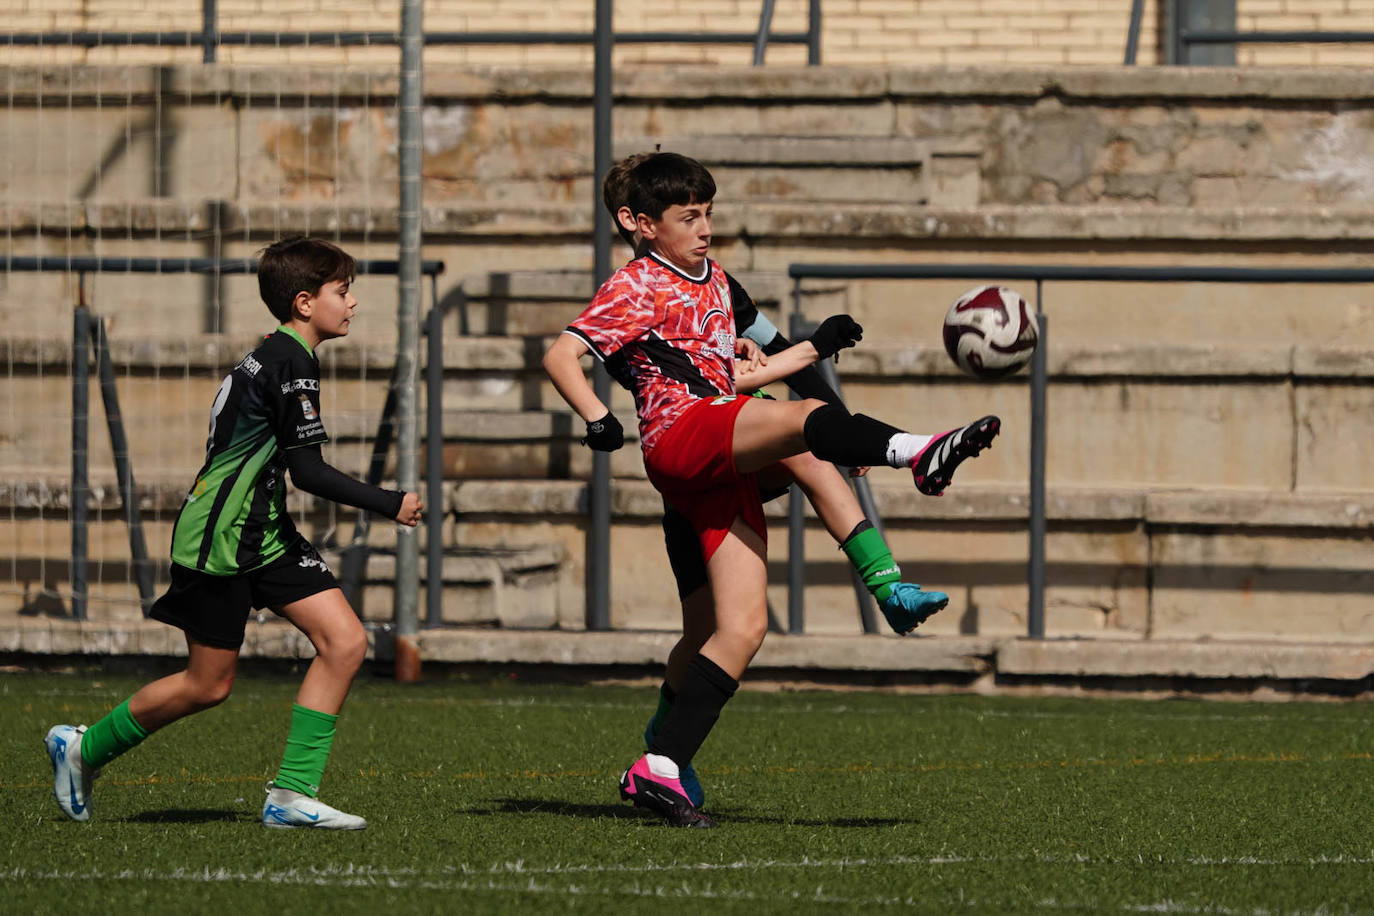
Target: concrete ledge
<point>895,361</point>
<point>1068,223</point>
<point>636,498</point>
<point>1108,658</point>
<point>61,83</point>
<point>957,661</point>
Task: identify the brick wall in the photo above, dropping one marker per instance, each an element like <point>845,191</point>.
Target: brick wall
<point>855,32</point>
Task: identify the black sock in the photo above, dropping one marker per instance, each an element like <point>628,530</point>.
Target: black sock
<point>852,440</point>
<point>704,690</point>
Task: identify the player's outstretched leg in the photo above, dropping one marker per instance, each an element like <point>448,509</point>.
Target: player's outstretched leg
<point>933,467</point>
<point>285,808</point>
<point>71,775</point>
<point>654,782</point>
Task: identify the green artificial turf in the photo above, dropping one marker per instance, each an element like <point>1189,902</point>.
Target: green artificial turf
<point>487,795</point>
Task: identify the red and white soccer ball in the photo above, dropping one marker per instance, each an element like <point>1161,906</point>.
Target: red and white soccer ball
<point>990,332</point>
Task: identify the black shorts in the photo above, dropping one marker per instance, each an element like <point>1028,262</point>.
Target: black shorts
<point>214,609</point>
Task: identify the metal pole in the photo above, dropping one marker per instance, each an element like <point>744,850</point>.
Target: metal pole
<point>353,558</point>
<point>434,469</point>
<point>81,339</point>
<point>1133,33</point>
<point>209,31</point>
<point>598,577</point>
<point>765,26</point>
<point>796,561</point>
<point>1035,608</point>
<point>868,608</point>
<point>408,331</point>
<point>813,34</point>
<point>124,469</point>
<point>796,522</point>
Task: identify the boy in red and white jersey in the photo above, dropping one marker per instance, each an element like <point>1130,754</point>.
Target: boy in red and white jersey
<point>664,324</point>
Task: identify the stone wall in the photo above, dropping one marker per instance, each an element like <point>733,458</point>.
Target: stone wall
<point>1206,440</point>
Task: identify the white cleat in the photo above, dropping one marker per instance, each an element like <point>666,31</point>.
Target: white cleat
<point>284,808</point>
<point>71,777</point>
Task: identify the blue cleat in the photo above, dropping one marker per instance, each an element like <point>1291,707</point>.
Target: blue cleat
<point>908,607</point>
<point>688,775</point>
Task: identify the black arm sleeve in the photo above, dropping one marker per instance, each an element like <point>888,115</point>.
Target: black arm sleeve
<point>310,473</point>
<point>808,382</point>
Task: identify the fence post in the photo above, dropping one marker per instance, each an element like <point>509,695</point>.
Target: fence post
<point>124,469</point>
<point>1035,606</point>
<point>209,31</point>
<point>408,329</point>
<point>434,468</point>
<point>598,574</point>
<point>81,396</point>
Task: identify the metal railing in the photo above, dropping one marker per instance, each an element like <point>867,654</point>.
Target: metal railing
<point>89,340</point>
<point>209,38</point>
<point>1039,376</point>
<point>1181,35</point>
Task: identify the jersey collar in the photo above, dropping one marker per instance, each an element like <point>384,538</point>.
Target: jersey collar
<point>705,273</point>
<point>295,335</point>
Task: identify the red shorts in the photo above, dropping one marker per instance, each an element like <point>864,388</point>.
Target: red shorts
<point>693,466</point>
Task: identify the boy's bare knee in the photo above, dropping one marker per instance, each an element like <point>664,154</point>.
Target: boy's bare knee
<point>746,633</point>
<point>347,647</point>
<point>208,692</point>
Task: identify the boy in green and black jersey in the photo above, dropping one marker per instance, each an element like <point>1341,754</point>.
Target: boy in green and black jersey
<point>234,548</point>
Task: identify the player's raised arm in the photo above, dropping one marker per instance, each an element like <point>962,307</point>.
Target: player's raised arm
<point>835,333</point>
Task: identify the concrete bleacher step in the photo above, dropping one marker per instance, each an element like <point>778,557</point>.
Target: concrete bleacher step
<point>508,586</point>
<point>542,302</point>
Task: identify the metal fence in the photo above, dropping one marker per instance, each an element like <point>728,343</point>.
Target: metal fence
<point>1193,24</point>
<point>209,38</point>
<point>1039,377</point>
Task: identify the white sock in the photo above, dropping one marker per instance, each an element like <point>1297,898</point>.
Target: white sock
<point>661,766</point>
<point>903,448</point>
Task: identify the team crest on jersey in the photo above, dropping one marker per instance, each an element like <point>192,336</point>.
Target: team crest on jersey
<point>308,409</point>
<point>705,320</point>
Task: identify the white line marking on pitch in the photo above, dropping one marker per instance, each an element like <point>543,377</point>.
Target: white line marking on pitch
<point>403,879</point>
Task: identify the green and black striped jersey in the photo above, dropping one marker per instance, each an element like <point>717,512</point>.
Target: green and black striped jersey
<point>234,518</point>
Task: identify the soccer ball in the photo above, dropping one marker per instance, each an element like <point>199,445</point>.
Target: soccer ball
<point>990,332</point>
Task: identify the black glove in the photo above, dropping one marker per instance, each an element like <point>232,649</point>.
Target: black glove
<point>605,435</point>
<point>836,333</point>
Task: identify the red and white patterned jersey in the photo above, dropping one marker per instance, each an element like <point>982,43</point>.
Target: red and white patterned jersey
<point>667,337</point>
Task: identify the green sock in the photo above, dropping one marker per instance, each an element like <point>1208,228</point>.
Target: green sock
<point>665,706</point>
<point>116,733</point>
<point>872,559</point>
<point>307,750</point>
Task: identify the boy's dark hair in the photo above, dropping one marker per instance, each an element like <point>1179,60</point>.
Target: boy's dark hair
<point>615,191</point>
<point>299,264</point>
<point>665,179</point>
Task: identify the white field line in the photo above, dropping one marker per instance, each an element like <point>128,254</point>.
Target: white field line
<point>469,878</point>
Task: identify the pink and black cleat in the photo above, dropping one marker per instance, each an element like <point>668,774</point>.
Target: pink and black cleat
<point>933,468</point>
<point>662,795</point>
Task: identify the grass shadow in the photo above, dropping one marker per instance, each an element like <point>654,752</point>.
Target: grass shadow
<point>187,816</point>
<point>726,815</point>
<point>555,806</point>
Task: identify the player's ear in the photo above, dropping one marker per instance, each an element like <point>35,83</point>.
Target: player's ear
<point>626,219</point>
<point>645,227</point>
<point>302,305</point>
